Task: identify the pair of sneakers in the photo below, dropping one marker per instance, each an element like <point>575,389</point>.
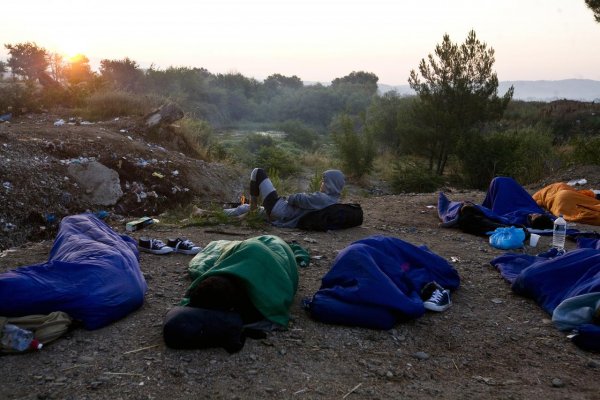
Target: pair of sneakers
<point>178,245</point>
<point>435,297</point>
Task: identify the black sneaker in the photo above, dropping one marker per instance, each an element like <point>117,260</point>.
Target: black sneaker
<point>184,246</point>
<point>439,300</point>
<point>154,246</point>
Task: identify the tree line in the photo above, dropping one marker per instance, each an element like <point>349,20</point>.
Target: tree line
<point>456,120</point>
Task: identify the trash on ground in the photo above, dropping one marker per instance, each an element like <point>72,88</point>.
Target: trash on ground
<point>575,182</point>
<point>140,223</point>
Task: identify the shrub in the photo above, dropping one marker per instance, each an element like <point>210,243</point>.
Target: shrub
<point>355,147</point>
<point>18,97</point>
<point>272,157</point>
<point>524,154</point>
<point>585,150</point>
<point>411,175</point>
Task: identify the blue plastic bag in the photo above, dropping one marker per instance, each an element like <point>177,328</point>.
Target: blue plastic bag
<point>507,238</point>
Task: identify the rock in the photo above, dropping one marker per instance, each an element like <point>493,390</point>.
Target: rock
<point>557,383</point>
<point>421,355</point>
<point>166,114</point>
<point>100,184</point>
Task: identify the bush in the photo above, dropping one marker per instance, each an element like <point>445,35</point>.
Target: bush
<point>413,176</point>
<point>585,150</point>
<point>299,133</point>
<point>523,154</point>
<point>110,104</point>
<point>18,97</point>
<point>196,136</point>
<point>355,147</point>
<point>274,158</point>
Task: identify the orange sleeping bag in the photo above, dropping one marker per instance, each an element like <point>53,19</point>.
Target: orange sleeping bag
<point>574,205</point>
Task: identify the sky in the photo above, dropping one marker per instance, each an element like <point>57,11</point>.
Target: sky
<point>316,40</point>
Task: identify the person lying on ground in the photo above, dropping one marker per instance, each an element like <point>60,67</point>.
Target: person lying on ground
<point>286,212</point>
<point>240,289</point>
<point>574,205</point>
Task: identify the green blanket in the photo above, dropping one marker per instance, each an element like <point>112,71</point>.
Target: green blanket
<point>266,265</point>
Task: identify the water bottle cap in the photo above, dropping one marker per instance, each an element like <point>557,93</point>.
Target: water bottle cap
<point>36,345</point>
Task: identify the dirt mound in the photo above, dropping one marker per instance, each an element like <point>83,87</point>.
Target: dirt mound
<point>37,189</point>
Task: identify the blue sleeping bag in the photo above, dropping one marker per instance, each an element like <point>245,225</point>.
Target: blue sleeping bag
<point>376,282</point>
<point>552,279</point>
<point>92,274</point>
<point>506,202</point>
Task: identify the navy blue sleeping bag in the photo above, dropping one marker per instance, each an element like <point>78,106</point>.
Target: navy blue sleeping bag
<point>551,279</point>
<point>376,282</point>
<point>505,202</point>
<point>92,274</point>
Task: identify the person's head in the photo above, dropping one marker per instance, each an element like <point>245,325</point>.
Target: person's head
<point>333,182</point>
<point>217,292</point>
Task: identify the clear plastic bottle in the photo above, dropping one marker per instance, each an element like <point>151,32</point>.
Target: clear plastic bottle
<point>18,339</point>
<point>559,233</point>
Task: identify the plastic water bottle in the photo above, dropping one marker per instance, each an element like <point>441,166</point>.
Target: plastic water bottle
<point>559,233</point>
<point>18,339</point>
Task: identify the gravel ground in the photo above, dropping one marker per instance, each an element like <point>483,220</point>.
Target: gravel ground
<point>490,344</point>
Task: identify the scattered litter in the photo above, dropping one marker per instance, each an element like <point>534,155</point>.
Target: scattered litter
<point>80,160</point>
<point>488,381</point>
<point>454,259</point>
<point>310,240</point>
<point>175,173</point>
<point>7,185</point>
<point>158,175</point>
<point>575,182</point>
<point>116,119</point>
<point>7,227</point>
<point>5,117</point>
<point>86,123</point>
<point>123,130</point>
<point>129,137</point>
<point>101,214</point>
<point>496,300</point>
<point>50,218</point>
<point>59,122</point>
<point>430,207</point>
<point>140,223</point>
<point>317,257</point>
<point>5,252</point>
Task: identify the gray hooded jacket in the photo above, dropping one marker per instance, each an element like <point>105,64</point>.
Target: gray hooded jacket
<point>287,212</point>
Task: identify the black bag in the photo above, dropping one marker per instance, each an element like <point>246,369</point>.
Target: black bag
<point>333,217</point>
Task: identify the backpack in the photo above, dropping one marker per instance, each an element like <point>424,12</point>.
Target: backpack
<point>333,217</point>
<point>46,328</point>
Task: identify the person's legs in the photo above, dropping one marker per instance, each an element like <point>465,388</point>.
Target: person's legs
<point>261,186</point>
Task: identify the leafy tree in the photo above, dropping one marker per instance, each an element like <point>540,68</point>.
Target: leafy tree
<point>27,59</point>
<point>367,79</point>
<point>78,70</point>
<point>122,74</point>
<point>3,67</point>
<point>457,92</point>
<point>277,82</point>
<point>594,5</point>
<point>56,63</point>
<point>388,117</point>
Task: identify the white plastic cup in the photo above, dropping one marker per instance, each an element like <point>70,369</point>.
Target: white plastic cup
<point>533,239</point>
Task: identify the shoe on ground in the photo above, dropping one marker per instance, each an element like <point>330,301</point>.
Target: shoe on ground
<point>154,246</point>
<point>184,246</point>
<point>439,300</point>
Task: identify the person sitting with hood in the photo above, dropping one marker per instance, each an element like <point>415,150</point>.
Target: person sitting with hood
<point>286,212</point>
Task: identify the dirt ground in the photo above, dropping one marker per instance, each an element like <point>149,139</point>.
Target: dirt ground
<point>490,344</point>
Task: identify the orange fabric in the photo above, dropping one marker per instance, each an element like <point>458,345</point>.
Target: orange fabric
<point>574,205</point>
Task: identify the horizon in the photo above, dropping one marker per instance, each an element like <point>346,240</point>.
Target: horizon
<point>317,41</point>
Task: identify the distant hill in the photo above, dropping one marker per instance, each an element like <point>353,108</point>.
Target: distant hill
<point>571,89</point>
